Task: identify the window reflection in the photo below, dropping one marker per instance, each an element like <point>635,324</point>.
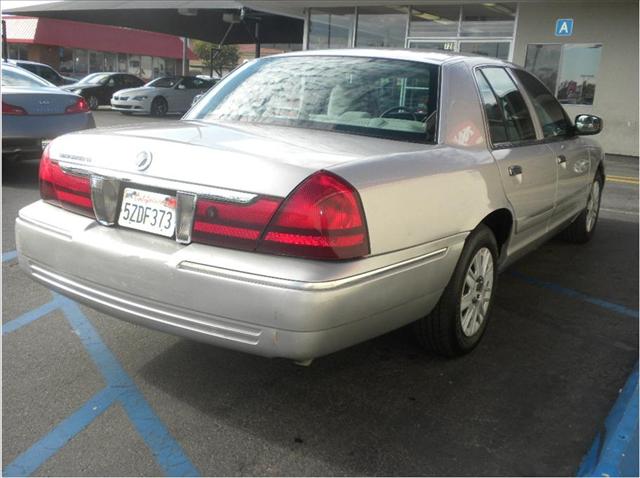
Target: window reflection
<point>568,70</point>
<point>491,49</point>
<point>543,62</point>
<point>434,21</point>
<point>381,26</point>
<point>577,80</point>
<point>488,19</point>
<point>331,28</point>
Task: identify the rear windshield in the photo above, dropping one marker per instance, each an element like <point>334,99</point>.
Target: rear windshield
<point>385,98</point>
<point>15,77</point>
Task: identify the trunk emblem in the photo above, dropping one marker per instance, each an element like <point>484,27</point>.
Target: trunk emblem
<point>44,102</point>
<point>143,160</point>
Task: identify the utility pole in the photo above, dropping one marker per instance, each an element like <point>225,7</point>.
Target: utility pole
<point>185,61</point>
<point>5,53</point>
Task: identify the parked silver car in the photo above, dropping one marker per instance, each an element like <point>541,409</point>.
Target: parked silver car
<point>161,96</point>
<point>34,112</point>
<point>314,200</point>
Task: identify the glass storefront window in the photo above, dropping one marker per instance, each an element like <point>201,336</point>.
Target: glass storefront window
<point>66,61</point>
<point>568,70</point>
<point>158,67</point>
<point>96,61</point>
<point>433,45</point>
<point>134,64</point>
<point>109,62</point>
<point>578,70</point>
<point>434,21</point>
<point>493,49</point>
<point>488,20</point>
<point>543,61</point>
<point>146,67</point>
<point>170,66</point>
<point>80,62</point>
<point>122,63</point>
<point>18,52</point>
<point>331,28</point>
<point>381,27</point>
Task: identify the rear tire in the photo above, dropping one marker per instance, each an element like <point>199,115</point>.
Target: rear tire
<point>93,102</point>
<point>581,230</point>
<point>456,325</point>
<point>159,107</point>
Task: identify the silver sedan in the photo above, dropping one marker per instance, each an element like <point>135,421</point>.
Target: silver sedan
<point>34,112</point>
<point>314,200</point>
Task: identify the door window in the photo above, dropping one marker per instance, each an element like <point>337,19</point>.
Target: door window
<point>516,115</point>
<point>553,119</point>
<point>194,83</point>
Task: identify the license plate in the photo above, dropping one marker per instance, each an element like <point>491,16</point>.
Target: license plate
<point>148,211</point>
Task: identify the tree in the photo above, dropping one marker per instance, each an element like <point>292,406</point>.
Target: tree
<point>225,59</point>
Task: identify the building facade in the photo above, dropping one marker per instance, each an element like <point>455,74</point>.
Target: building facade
<point>76,49</point>
<point>586,52</point>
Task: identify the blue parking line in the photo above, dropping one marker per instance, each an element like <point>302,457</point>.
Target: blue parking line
<point>615,451</point>
<point>29,317</point>
<point>29,461</point>
<point>120,387</point>
<point>167,452</point>
<point>8,256</point>
<point>620,309</point>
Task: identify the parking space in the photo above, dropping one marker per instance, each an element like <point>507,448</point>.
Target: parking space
<point>86,394</point>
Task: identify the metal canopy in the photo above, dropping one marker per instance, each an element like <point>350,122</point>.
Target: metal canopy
<point>203,20</point>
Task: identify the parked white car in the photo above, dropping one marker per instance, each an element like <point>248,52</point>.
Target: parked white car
<point>161,96</point>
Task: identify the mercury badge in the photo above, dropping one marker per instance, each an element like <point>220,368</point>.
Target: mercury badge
<point>143,160</point>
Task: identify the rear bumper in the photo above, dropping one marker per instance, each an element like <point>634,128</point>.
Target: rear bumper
<point>24,134</point>
<point>265,305</point>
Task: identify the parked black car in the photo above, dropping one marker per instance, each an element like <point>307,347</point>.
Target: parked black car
<point>97,88</point>
<point>44,71</point>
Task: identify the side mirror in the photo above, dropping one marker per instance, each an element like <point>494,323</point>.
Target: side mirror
<point>588,124</point>
<point>182,87</point>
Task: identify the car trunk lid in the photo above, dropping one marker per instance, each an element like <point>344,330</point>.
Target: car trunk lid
<point>261,159</point>
<point>44,102</point>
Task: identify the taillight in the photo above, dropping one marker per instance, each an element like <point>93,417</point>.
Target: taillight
<point>80,106</point>
<point>64,189</point>
<point>321,219</point>
<point>232,225</point>
<point>8,109</point>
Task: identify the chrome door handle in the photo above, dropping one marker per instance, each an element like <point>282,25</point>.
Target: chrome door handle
<point>561,159</point>
<point>515,170</point>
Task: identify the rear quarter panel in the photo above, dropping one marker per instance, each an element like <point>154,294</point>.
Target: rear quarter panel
<point>416,197</point>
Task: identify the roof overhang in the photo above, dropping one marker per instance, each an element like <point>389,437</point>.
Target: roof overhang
<point>202,19</point>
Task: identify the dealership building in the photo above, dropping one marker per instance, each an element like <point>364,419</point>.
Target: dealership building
<point>585,51</point>
<point>76,49</point>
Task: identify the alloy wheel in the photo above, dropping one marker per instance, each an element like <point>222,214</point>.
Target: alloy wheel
<point>476,292</point>
<point>593,205</point>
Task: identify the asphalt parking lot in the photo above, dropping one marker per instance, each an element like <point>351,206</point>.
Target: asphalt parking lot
<point>85,394</point>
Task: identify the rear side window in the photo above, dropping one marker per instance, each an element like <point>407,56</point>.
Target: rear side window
<point>517,118</point>
<point>495,120</point>
<point>553,119</point>
<point>48,74</point>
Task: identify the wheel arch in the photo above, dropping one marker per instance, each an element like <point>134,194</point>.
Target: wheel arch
<point>500,222</point>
